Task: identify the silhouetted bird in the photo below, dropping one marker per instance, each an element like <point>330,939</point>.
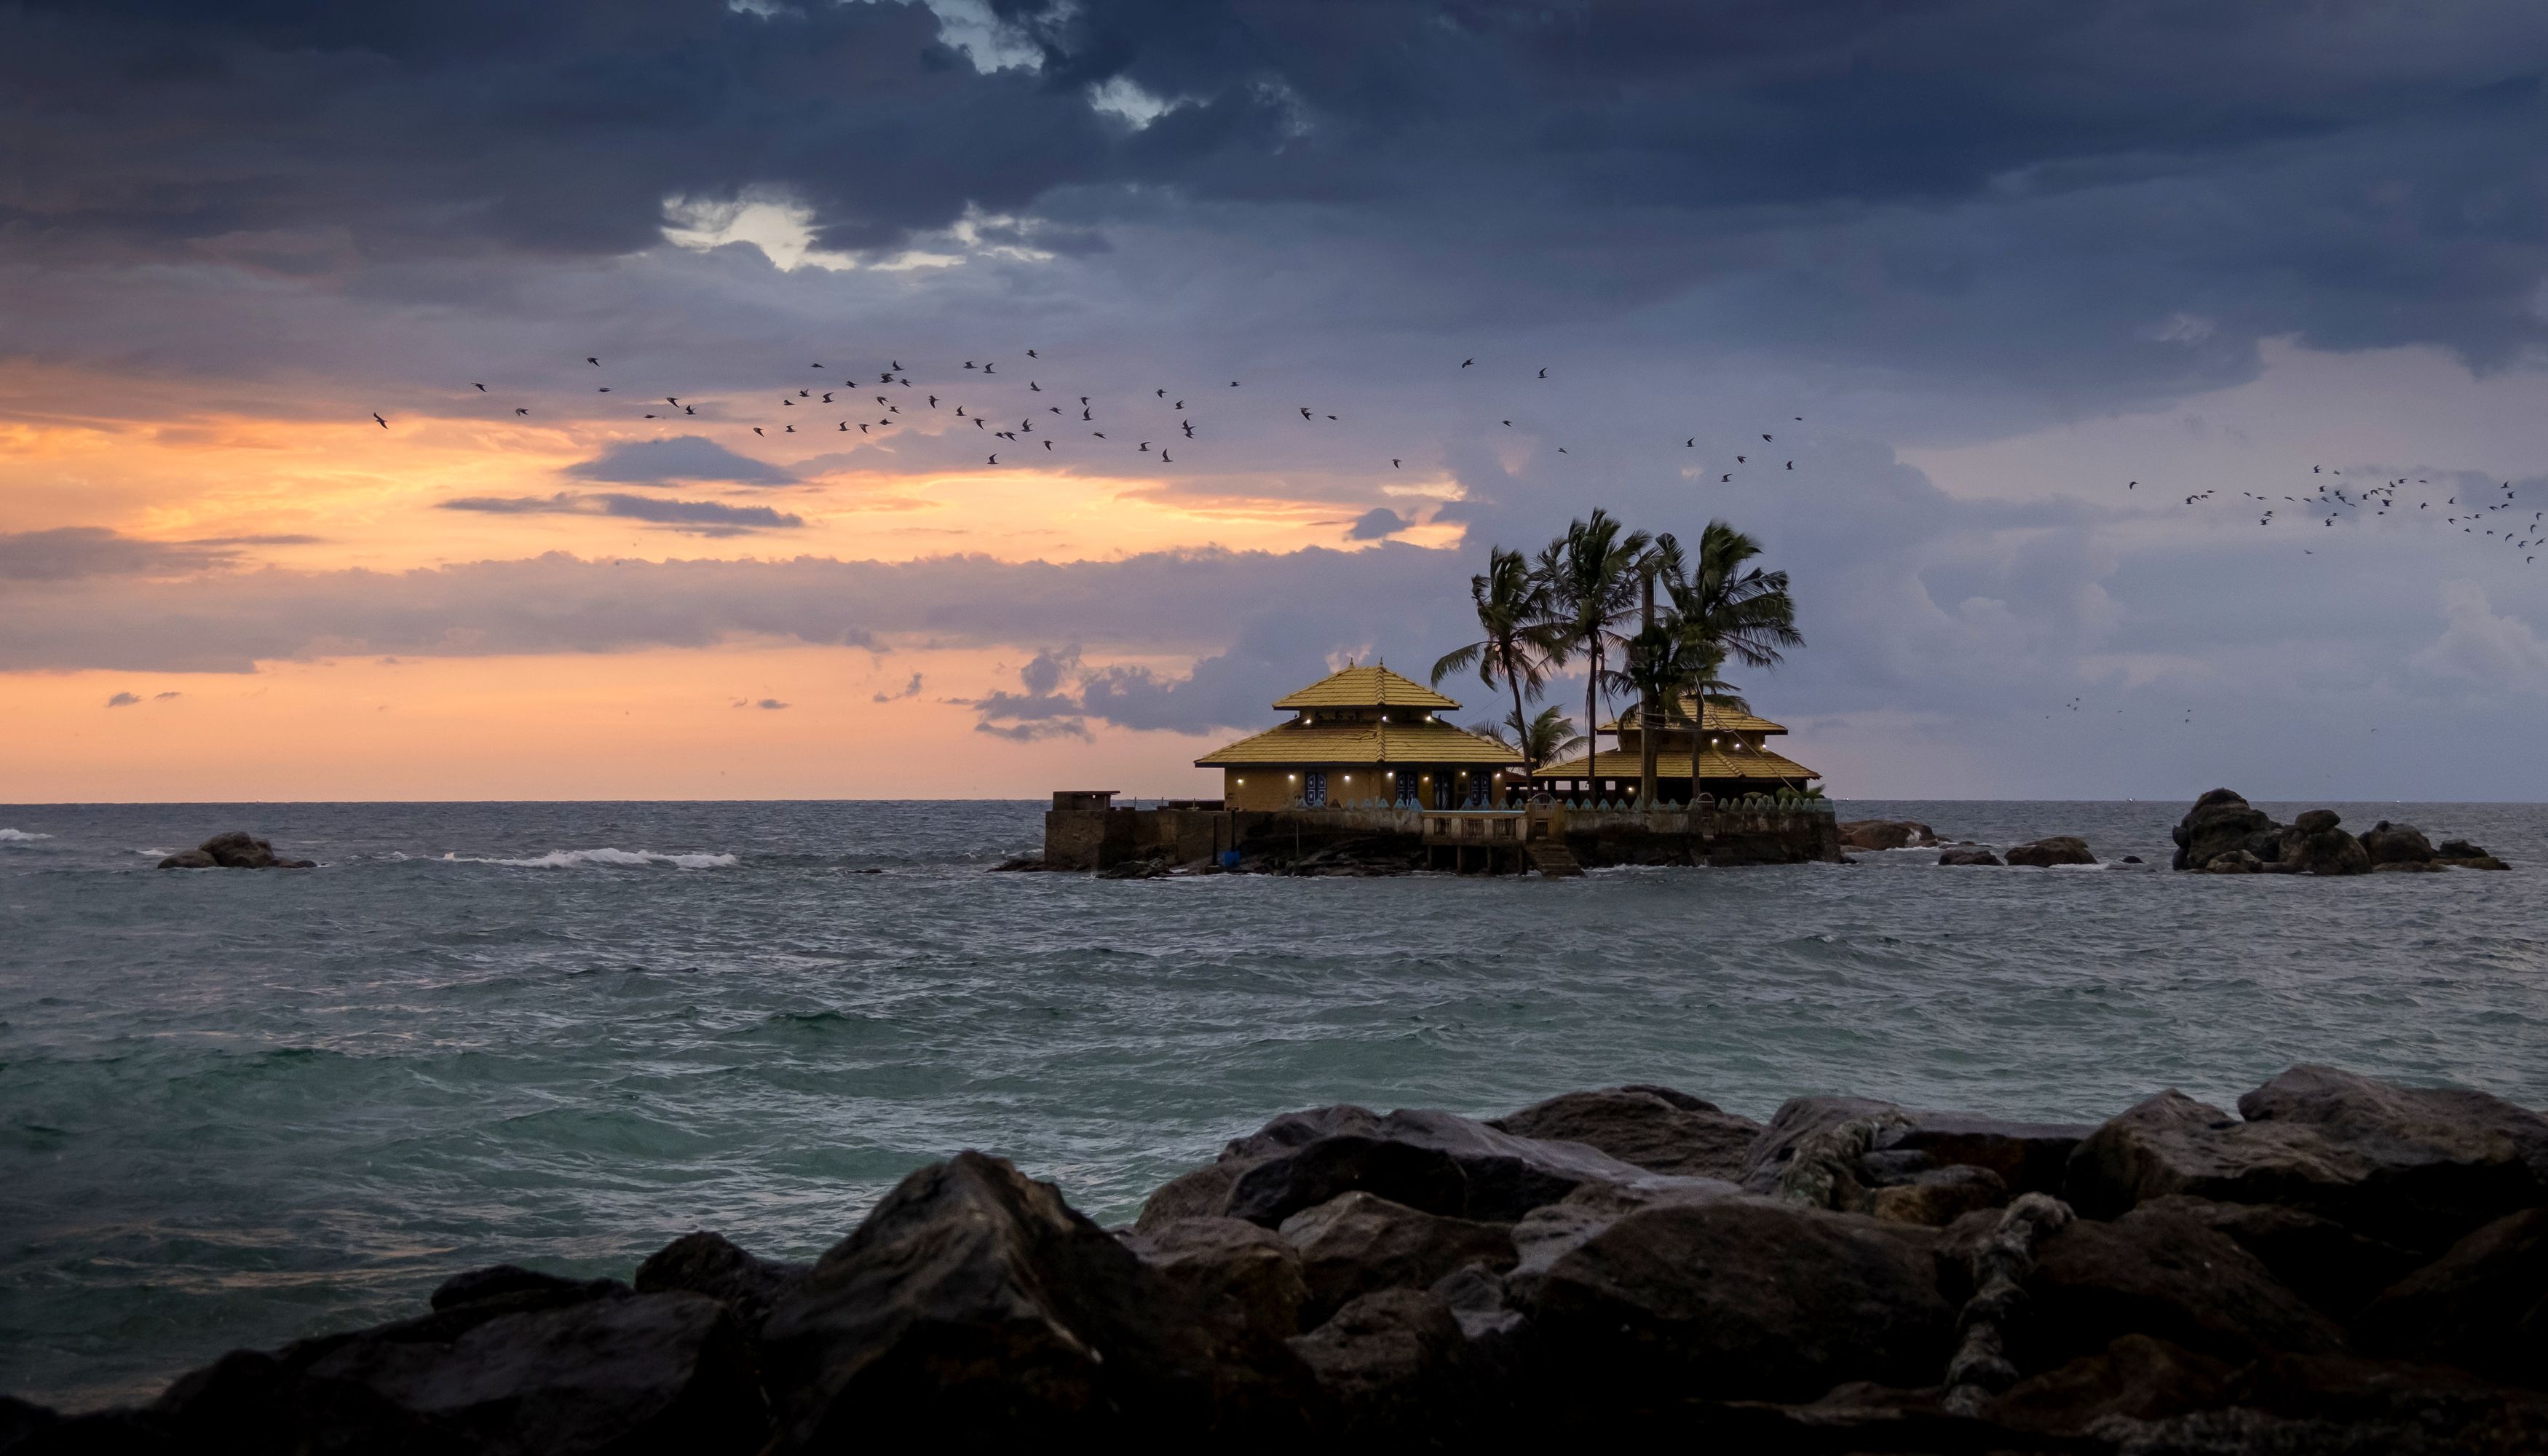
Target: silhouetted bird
<point>522,412</point>
<point>375,419</point>
<point>595,363</point>
<point>482,388</point>
<point>1465,363</point>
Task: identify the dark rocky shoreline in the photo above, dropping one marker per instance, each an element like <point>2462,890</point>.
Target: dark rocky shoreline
<point>2340,1266</point>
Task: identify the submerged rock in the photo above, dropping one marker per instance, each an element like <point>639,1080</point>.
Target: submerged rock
<point>2235,861</point>
<point>1973,855</point>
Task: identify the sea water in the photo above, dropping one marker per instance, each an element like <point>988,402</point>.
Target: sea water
<point>240,1107</point>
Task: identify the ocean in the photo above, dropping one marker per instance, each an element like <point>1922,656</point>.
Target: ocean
<point>237,1108</point>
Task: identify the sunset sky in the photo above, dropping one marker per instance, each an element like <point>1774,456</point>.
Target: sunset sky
<point>1971,267</point>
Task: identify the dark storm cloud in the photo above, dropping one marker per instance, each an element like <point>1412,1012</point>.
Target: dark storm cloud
<point>70,552</point>
<point>684,457</point>
<point>1377,524</point>
<point>1963,178</point>
<point>691,517</point>
<point>1291,607</point>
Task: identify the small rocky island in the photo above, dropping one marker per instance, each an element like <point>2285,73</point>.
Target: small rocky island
<point>2224,835</point>
<point>2340,1265</point>
<point>236,850</point>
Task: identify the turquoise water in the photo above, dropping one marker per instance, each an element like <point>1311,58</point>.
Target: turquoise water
<point>236,1108</point>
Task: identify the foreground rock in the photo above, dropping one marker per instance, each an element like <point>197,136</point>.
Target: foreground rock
<point>1967,854</point>
<point>233,851</point>
<point>2341,1264</point>
<point>1887,834</point>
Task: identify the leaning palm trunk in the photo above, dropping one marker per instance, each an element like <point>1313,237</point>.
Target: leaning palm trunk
<point>1647,782</point>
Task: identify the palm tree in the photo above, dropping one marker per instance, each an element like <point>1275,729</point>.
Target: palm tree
<point>1592,573</point>
<point>1519,645</point>
<point>1743,615</point>
<point>1549,735</point>
<point>1664,661</point>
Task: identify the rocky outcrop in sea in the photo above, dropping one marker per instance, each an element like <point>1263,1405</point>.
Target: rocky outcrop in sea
<point>2223,834</point>
<point>2338,1264</point>
<point>236,850</point>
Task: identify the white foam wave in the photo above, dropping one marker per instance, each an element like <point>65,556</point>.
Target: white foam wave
<point>574,859</point>
<point>20,837</point>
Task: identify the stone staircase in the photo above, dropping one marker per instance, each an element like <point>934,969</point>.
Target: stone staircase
<point>1554,860</point>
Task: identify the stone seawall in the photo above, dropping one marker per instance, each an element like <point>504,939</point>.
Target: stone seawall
<point>1376,838</point>
<point>2339,1265</point>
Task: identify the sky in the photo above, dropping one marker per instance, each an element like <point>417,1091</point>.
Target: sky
<point>1952,304</point>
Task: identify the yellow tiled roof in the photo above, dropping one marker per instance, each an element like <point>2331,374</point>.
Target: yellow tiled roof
<point>1720,719</point>
<point>1409,744</point>
<point>1713,764</point>
<point>1365,687</point>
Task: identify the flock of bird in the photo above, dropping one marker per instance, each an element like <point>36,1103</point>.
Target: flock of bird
<point>1049,418</point>
<point>970,396</point>
<point>2330,502</point>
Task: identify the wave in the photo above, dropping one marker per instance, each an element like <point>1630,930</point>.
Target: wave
<point>574,859</point>
<point>20,837</point>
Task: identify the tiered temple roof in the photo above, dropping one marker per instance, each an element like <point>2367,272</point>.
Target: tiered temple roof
<point>1364,715</point>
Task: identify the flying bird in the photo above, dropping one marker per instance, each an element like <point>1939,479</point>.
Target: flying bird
<point>1030,354</point>
<point>482,388</point>
<point>1465,363</point>
<point>375,419</point>
<point>995,460</point>
<point>756,430</point>
<point>1394,464</point>
<point>595,363</point>
<point>522,412</point>
<point>1543,373</point>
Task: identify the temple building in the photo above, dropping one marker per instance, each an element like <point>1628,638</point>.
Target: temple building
<point>1365,735</point>
<point>1733,758</point>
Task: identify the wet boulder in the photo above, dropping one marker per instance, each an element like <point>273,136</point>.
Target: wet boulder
<point>2314,845</point>
<point>973,1302</point>
<point>2397,844</point>
<point>2135,1377</point>
<point>1934,1197</point>
<point>1231,1270</point>
<point>2219,822</point>
<point>1732,1298</point>
<point>1887,834</point>
<point>2157,1272</point>
<point>1654,1127</point>
<point>1356,1244</point>
<point>2235,861</point>
<point>190,859</point>
<point>1967,854</point>
<point>1395,1371</point>
<point>1429,1161</point>
<point>2060,849</point>
<point>1902,1141</point>
<point>509,1366</point>
<point>2324,1262</point>
<point>2413,1167</point>
<point>2483,1305</point>
<point>706,1263</point>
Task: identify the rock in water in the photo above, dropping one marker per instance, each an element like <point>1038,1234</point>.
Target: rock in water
<point>2219,822</point>
<point>1356,1243</point>
<point>2314,845</point>
<point>1655,1127</point>
<point>236,850</point>
<point>1732,1298</point>
<point>975,1303</point>
<point>2235,861</point>
<point>1887,834</point>
<point>2397,844</point>
<point>2060,848</point>
<point>1974,855</point>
